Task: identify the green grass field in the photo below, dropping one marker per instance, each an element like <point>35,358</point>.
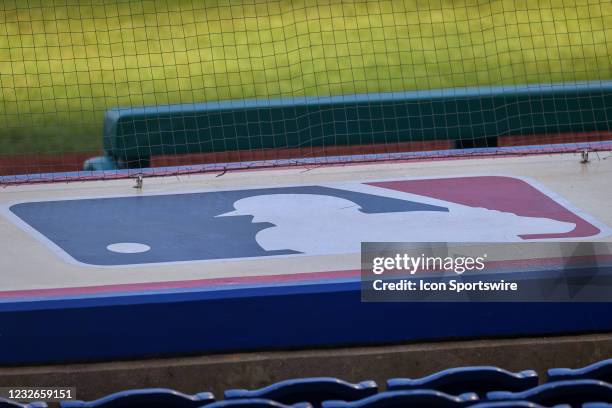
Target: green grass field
<point>64,62</point>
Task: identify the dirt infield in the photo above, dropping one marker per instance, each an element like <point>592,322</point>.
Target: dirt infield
<point>300,152</point>
<point>574,137</point>
<point>63,162</point>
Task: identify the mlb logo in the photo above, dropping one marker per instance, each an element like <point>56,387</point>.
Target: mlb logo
<point>302,220</point>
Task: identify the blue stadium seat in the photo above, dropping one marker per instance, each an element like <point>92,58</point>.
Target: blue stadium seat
<point>573,392</point>
<point>5,403</point>
<point>478,379</point>
<point>513,404</point>
<point>597,405</point>
<point>314,390</point>
<point>255,403</point>
<point>412,398</point>
<point>602,370</point>
<point>149,398</point>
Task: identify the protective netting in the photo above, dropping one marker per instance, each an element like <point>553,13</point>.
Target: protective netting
<point>154,83</point>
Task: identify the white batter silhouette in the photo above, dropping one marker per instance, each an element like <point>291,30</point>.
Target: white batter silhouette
<point>321,224</point>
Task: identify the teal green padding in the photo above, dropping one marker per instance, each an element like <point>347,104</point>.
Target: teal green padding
<point>133,135</point>
<point>100,163</point>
